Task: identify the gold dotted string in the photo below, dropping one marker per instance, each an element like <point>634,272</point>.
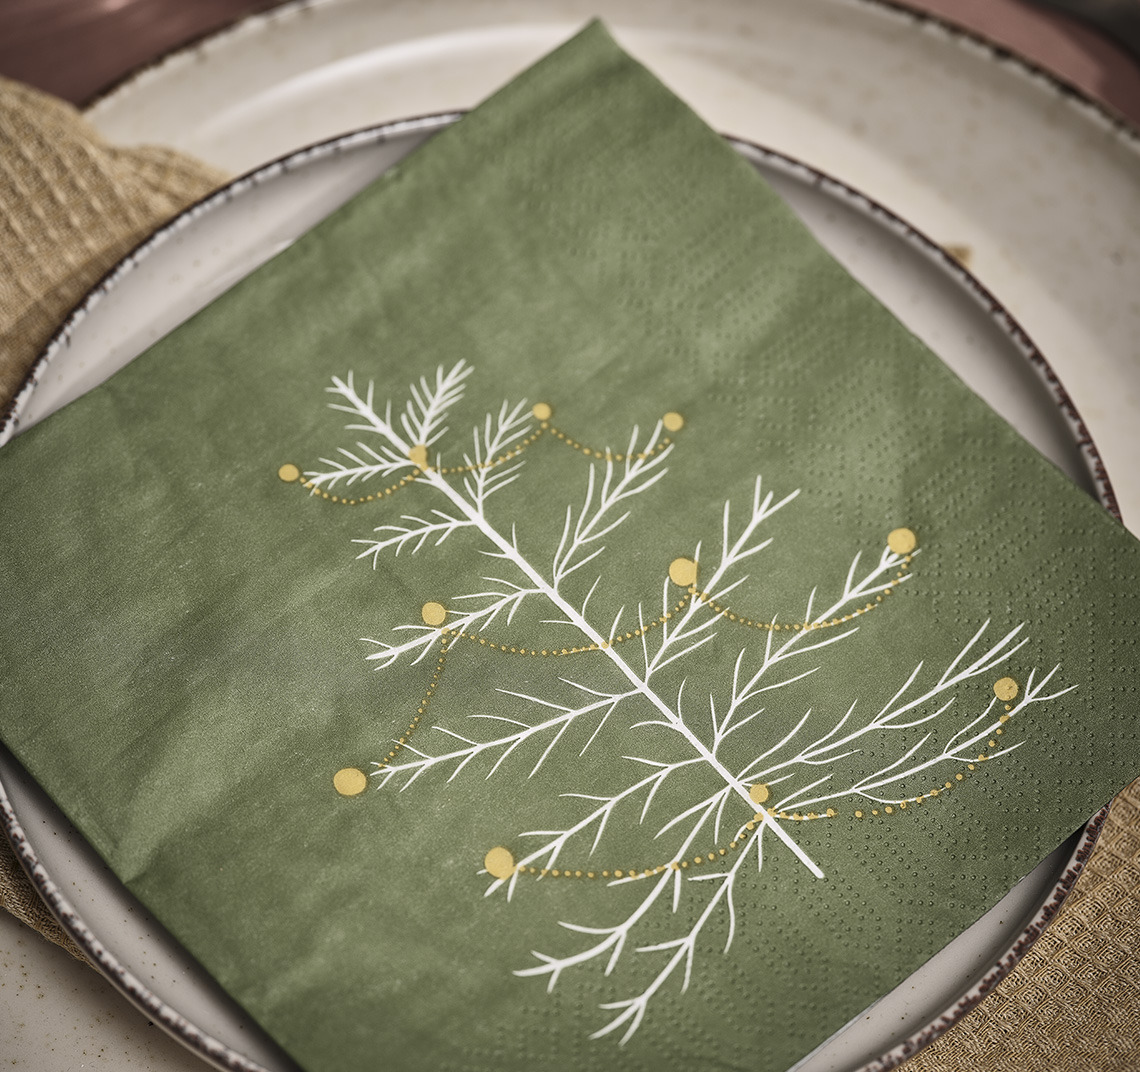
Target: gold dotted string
<point>500,862</point>
<point>671,422</point>
<point>474,467</point>
<point>351,782</point>
<point>683,572</point>
<point>542,411</point>
<point>423,706</point>
<point>1005,688</point>
<point>290,474</point>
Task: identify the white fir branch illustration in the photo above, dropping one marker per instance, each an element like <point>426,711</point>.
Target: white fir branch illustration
<point>707,775</point>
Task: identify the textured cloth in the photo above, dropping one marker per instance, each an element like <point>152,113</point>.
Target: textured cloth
<point>18,896</point>
<point>70,207</point>
<point>1072,1004</point>
<point>1071,964</point>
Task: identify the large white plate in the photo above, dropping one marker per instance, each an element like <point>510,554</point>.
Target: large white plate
<point>972,146</point>
<point>212,245</point>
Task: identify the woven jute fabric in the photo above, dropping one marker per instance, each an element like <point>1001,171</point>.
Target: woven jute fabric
<point>71,206</point>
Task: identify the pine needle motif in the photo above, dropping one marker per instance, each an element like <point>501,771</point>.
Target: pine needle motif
<point>751,786</point>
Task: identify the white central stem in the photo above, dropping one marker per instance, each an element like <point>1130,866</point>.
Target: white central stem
<point>639,683</point>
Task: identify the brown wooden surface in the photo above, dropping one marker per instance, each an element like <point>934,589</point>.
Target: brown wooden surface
<point>78,48</point>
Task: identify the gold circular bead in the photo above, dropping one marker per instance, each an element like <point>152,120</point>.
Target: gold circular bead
<point>500,862</point>
<point>1005,689</point>
<point>758,793</point>
<point>683,572</point>
<point>902,541</point>
<point>350,782</point>
<point>433,613</point>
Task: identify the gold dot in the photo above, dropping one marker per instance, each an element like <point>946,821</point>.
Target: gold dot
<point>1005,689</point>
<point>350,782</point>
<point>683,572</point>
<point>500,863</point>
<point>419,454</point>
<point>758,793</point>
<point>289,472</point>
<point>542,411</point>
<point>673,421</point>
<point>902,541</point>
<point>434,613</point>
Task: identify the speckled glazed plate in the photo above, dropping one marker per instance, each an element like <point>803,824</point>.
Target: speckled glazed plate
<point>209,247</point>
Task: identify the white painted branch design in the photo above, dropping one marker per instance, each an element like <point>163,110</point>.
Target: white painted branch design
<point>741,753</point>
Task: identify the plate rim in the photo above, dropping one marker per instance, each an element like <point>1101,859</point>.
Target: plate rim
<point>963,36</point>
<point>221,1055</point>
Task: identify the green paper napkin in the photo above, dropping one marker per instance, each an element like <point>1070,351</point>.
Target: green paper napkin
<point>708,655</point>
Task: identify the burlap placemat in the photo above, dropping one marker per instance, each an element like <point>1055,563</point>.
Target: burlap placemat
<point>71,206</point>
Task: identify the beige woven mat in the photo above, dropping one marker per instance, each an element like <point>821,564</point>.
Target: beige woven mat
<point>71,206</point>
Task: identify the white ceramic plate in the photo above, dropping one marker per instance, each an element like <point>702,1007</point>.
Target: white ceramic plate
<point>971,145</point>
<point>208,248</point>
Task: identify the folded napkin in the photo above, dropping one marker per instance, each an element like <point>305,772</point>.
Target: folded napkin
<point>651,657</point>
